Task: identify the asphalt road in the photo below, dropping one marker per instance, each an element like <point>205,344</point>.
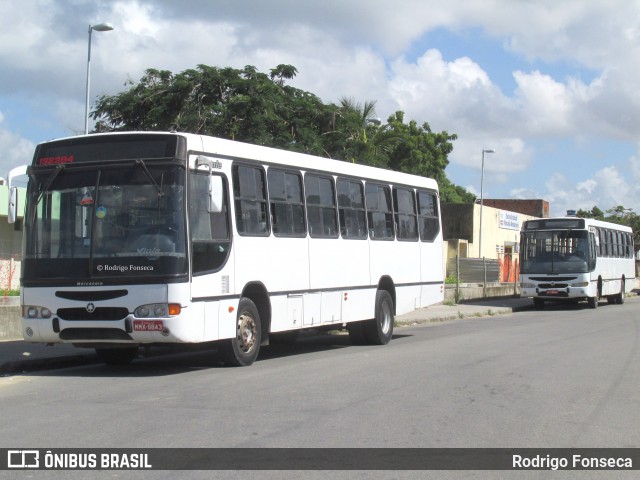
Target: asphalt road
<point>567,376</point>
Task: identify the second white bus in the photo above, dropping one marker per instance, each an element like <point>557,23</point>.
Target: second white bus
<point>571,259</point>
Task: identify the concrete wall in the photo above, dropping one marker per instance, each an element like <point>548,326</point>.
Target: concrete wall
<point>10,328</point>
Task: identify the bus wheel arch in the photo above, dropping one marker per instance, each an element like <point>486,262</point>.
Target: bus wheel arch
<point>252,322</point>
<point>386,283</point>
<point>593,301</point>
<point>257,293</point>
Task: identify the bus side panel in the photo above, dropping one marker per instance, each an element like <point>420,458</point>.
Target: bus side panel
<point>279,263</point>
<point>211,321</point>
<point>358,304</point>
<point>286,312</point>
<point>401,262</point>
<point>432,272</point>
<point>338,262</point>
<point>331,309</point>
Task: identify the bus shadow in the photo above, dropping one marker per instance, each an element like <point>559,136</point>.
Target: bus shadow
<point>559,305</point>
<point>175,360</point>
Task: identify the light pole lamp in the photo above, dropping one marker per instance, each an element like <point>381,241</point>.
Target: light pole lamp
<point>488,150</point>
<point>100,27</point>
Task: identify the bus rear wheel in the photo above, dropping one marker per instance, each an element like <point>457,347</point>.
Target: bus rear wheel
<point>379,330</point>
<point>243,349</point>
<point>620,297</point>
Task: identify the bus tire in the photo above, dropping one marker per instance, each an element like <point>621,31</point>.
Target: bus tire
<point>379,330</point>
<point>593,302</point>
<point>620,296</point>
<point>243,349</point>
<point>117,355</point>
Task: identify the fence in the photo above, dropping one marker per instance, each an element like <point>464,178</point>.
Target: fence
<point>9,274</point>
<point>483,271</point>
<point>505,269</point>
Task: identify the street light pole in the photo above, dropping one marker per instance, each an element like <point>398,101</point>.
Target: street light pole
<point>482,199</point>
<point>101,27</point>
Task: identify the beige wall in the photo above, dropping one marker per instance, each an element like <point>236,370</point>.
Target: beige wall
<point>500,230</point>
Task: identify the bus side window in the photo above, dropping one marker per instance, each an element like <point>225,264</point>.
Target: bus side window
<point>321,206</point>
<point>428,217</point>
<point>379,212</point>
<point>287,203</point>
<point>249,191</point>
<point>209,232</point>
<point>405,212</point>
<point>353,223</point>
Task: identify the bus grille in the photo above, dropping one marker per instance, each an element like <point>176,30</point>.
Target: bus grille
<point>93,334</point>
<point>100,313</point>
<point>552,285</point>
<point>552,279</point>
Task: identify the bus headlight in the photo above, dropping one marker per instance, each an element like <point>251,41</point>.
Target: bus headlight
<point>527,285</point>
<point>34,311</point>
<point>580,284</point>
<point>158,310</point>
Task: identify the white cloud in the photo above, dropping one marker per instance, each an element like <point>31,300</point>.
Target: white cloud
<point>15,150</point>
<point>359,49</point>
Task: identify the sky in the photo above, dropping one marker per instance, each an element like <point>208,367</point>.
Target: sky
<point>551,86</point>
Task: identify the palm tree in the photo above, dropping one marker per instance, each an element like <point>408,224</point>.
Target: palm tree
<point>366,140</point>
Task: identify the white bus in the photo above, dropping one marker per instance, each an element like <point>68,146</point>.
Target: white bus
<point>572,258</point>
<point>152,238</point>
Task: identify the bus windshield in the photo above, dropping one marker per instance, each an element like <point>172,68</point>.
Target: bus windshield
<point>106,223</point>
<point>559,251</point>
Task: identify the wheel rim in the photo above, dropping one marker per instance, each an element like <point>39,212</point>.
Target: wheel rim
<point>385,321</point>
<point>247,332</point>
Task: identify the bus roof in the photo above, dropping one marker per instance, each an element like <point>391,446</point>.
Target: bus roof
<point>245,151</point>
<point>573,223</point>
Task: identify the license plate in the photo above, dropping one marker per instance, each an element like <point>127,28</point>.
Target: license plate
<point>552,292</point>
<point>148,326</point>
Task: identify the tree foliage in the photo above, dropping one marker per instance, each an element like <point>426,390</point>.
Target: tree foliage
<point>254,107</point>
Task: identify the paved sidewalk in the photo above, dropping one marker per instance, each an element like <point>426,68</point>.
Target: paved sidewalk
<point>18,356</point>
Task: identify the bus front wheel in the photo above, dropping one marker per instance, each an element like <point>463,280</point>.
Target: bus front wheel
<point>593,302</point>
<point>243,349</point>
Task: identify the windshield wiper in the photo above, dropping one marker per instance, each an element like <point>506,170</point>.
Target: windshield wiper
<point>50,181</point>
<point>141,163</point>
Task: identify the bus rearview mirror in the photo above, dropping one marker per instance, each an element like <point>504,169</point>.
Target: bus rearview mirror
<point>13,205</point>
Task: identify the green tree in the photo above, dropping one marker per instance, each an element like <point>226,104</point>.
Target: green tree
<point>239,104</point>
<point>359,136</point>
<point>254,107</point>
<point>595,212</point>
